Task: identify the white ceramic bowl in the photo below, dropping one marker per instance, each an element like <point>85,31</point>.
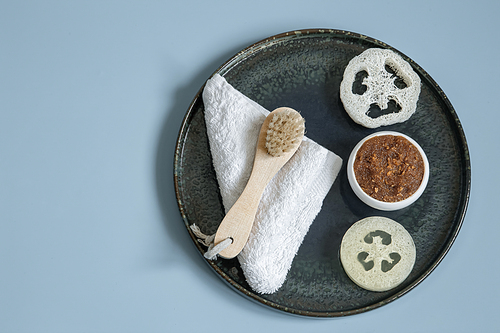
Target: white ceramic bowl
<point>382,205</point>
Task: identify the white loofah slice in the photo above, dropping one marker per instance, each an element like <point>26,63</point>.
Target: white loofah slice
<point>377,253</point>
<point>380,88</point>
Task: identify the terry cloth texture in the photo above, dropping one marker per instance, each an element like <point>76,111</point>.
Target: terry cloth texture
<point>291,200</point>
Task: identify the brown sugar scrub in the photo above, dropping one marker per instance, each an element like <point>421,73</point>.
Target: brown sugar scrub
<point>389,168</point>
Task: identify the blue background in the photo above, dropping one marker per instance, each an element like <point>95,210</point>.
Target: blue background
<point>92,95</point>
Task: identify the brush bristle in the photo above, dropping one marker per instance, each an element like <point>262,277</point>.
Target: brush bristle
<point>284,132</point>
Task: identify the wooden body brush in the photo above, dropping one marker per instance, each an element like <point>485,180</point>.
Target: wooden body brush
<point>279,138</point>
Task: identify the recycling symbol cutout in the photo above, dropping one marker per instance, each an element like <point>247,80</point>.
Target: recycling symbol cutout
<point>377,253</point>
<point>378,249</point>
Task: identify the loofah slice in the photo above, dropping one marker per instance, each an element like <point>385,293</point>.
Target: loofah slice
<point>383,67</point>
<point>285,132</point>
<point>377,253</point>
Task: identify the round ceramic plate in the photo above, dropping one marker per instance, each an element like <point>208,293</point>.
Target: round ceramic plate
<point>303,70</point>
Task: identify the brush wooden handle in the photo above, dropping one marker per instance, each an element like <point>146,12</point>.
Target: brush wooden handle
<point>238,222</point>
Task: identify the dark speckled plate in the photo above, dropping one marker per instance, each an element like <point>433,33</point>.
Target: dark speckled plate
<point>303,70</point>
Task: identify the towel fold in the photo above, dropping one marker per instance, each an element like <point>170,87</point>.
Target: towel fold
<point>291,200</point>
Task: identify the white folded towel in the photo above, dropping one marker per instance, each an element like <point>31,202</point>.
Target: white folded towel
<point>291,200</point>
